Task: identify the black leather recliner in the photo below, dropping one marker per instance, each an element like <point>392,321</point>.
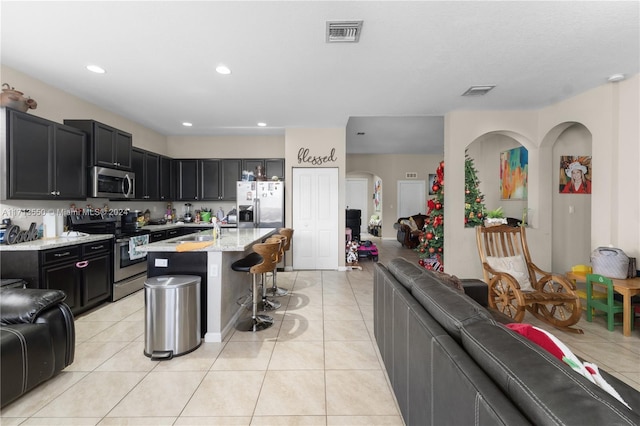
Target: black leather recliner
<point>37,339</point>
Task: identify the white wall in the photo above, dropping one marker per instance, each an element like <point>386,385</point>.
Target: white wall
<point>225,146</point>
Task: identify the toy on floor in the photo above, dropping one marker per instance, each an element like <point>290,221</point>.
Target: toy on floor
<point>368,250</point>
<point>352,252</point>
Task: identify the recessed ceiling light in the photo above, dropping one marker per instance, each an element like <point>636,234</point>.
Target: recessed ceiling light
<point>223,69</point>
<point>616,77</point>
<point>187,124</point>
<point>96,69</point>
<point>261,124</point>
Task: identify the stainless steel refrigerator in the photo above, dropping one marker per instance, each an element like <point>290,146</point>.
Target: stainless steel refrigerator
<point>260,204</point>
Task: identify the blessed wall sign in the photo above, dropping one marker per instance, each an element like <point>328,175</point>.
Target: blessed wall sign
<point>316,160</point>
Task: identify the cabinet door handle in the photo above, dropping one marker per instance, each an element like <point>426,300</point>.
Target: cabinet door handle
<point>82,264</point>
<point>97,247</point>
<point>66,253</point>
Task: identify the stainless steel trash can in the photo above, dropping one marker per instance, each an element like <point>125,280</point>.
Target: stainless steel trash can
<point>172,316</point>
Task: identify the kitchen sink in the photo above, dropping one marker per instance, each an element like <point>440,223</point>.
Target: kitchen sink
<point>191,238</point>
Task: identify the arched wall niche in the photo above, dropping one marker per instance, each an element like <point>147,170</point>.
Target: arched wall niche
<point>569,214</point>
<point>485,151</point>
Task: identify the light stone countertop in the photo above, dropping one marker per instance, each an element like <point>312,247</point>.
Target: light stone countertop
<point>50,243</point>
<point>230,239</point>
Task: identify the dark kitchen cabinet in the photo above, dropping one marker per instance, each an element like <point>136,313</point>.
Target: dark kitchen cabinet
<point>274,167</point>
<point>157,236</point>
<point>230,174</point>
<point>210,180</point>
<point>146,166</point>
<point>207,180</point>
<point>188,179</point>
<point>45,160</point>
<point>271,166</point>
<point>83,271</point>
<point>167,178</point>
<point>108,146</point>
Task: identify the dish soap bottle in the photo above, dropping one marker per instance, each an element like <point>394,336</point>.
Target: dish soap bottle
<point>220,214</point>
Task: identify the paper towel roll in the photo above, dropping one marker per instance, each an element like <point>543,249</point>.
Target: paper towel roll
<point>53,225</point>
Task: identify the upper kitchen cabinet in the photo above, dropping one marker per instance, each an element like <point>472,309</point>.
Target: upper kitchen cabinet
<point>146,166</point>
<point>274,167</point>
<point>231,173</point>
<point>271,166</point>
<point>167,178</point>
<point>207,180</point>
<point>108,146</point>
<point>44,159</point>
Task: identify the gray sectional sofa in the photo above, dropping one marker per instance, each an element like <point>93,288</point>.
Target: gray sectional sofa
<point>451,362</point>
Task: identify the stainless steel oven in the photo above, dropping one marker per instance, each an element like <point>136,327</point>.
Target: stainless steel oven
<point>129,266</point>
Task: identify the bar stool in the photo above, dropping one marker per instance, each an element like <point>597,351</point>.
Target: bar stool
<point>261,261</point>
<point>288,233</point>
<point>274,290</point>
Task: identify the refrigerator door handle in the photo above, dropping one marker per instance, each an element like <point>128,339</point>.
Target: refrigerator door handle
<point>256,212</point>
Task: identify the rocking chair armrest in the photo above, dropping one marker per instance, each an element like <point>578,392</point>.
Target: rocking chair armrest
<point>560,279</point>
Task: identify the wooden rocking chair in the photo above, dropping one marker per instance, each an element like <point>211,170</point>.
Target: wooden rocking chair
<point>552,298</point>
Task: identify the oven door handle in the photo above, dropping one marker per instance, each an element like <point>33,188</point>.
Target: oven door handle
<point>123,240</point>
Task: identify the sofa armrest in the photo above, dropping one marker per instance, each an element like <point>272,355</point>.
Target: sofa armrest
<point>23,305</point>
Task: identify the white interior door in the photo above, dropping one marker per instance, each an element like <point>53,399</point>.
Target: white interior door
<point>315,218</point>
<point>411,197</point>
<point>357,197</point>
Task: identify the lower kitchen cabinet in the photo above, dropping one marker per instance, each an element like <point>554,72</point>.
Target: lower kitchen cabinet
<point>83,271</point>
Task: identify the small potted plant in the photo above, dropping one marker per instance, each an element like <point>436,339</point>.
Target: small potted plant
<point>495,217</point>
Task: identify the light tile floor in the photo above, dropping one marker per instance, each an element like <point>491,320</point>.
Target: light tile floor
<point>318,365</point>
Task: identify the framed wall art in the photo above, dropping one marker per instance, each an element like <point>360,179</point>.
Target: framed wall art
<point>514,166</point>
<point>575,174</point>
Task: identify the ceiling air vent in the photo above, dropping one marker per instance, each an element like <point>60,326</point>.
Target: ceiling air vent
<point>343,31</point>
<point>411,175</point>
<point>478,90</point>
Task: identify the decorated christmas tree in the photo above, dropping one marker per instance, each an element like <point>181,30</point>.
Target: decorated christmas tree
<point>473,199</point>
<point>431,241</point>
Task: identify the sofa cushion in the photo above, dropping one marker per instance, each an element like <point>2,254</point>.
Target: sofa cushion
<point>539,384</point>
<point>449,307</point>
<point>23,305</point>
<point>404,271</point>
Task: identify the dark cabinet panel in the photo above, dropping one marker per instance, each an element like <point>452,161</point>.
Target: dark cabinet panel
<point>167,179</point>
<point>70,163</point>
<point>251,164</point>
<point>45,160</point>
<point>274,167</point>
<point>210,179</point>
<point>157,236</point>
<point>146,166</point>
<point>95,281</point>
<point>188,172</point>
<point>108,146</point>
<point>231,173</point>
<point>66,277</point>
<point>30,147</point>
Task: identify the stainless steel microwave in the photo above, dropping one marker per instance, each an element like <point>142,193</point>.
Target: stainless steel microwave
<point>111,183</point>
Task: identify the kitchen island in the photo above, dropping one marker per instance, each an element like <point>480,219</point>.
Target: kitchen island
<point>210,258</point>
